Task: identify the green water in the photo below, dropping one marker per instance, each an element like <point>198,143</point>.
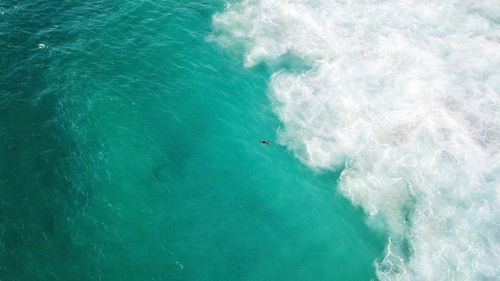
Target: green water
<point>129,151</point>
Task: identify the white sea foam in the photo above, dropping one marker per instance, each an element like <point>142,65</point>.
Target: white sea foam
<point>406,96</point>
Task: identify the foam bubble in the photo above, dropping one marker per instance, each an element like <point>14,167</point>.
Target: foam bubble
<point>405,95</point>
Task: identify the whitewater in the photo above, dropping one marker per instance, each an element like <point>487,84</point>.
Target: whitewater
<point>404,98</point>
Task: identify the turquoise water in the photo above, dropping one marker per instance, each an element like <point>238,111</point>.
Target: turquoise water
<point>129,151</point>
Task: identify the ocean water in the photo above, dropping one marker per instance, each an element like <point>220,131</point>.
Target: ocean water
<point>129,150</point>
<point>404,98</point>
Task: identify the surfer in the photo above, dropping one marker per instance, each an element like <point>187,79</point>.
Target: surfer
<point>265,141</point>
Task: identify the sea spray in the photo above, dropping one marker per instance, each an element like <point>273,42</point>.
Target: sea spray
<point>404,97</point>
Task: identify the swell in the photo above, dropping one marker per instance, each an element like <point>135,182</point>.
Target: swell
<point>404,97</point>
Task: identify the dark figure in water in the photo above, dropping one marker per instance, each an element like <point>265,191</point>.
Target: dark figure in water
<point>265,141</point>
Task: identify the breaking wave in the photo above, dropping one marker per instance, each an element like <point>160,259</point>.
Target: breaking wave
<point>404,96</point>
